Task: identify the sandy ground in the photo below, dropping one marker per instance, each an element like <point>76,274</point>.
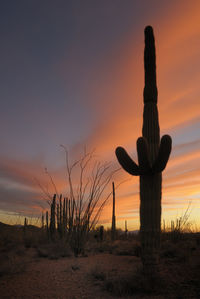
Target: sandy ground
<point>64,278</point>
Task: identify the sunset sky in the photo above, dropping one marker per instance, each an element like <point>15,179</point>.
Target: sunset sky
<point>72,73</point>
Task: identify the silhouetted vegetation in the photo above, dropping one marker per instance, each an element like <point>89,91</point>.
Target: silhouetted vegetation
<point>153,155</point>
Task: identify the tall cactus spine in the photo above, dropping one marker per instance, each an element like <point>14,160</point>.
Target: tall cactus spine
<point>42,220</point>
<point>58,216</point>
<point>61,215</point>
<point>47,223</point>
<point>53,217</point>
<point>25,225</point>
<point>126,227</point>
<point>113,229</point>
<point>64,223</point>
<point>153,155</point>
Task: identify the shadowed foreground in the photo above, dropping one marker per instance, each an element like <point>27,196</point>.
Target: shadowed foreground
<point>64,278</point>
<point>109,271</point>
<point>30,268</point>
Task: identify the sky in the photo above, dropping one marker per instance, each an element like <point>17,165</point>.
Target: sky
<point>72,73</point>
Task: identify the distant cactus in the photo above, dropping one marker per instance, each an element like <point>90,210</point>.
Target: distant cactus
<point>126,228</point>
<point>101,230</point>
<point>47,223</point>
<point>153,155</point>
<point>61,216</point>
<point>113,229</point>
<point>58,217</point>
<point>53,217</point>
<point>25,225</point>
<point>42,220</point>
<point>25,222</point>
<point>64,218</point>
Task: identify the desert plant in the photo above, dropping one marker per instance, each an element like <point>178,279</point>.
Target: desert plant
<point>101,230</point>
<point>74,217</point>
<point>153,155</point>
<point>52,218</point>
<point>113,229</point>
<point>126,229</point>
<point>42,220</point>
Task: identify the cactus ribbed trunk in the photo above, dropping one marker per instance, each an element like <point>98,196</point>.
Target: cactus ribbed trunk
<point>150,185</point>
<point>64,217</point>
<point>47,223</point>
<point>53,217</point>
<point>113,229</point>
<point>42,220</point>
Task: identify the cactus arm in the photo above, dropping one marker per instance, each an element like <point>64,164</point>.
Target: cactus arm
<point>143,156</point>
<point>163,154</point>
<point>126,162</point>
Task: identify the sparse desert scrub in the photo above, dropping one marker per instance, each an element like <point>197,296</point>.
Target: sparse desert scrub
<point>72,217</point>
<point>54,250</point>
<point>126,247</point>
<point>12,263</point>
<point>178,277</point>
<point>10,237</point>
<point>98,273</point>
<point>112,275</point>
<point>12,250</point>
<point>124,283</point>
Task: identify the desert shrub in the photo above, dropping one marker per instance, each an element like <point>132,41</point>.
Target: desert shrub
<point>125,283</point>
<point>97,273</point>
<point>10,237</point>
<point>123,247</point>
<point>179,252</point>
<point>11,264</point>
<point>54,250</point>
<point>132,283</point>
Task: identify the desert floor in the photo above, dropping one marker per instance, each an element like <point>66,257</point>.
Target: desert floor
<point>68,277</point>
<point>111,270</point>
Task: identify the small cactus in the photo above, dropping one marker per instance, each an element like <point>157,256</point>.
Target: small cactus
<point>126,228</point>
<point>25,225</point>
<point>101,230</point>
<point>42,220</point>
<point>113,229</point>
<point>47,223</point>
<point>53,217</point>
<point>153,155</point>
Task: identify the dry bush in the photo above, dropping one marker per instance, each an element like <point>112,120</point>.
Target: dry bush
<point>55,250</point>
<point>181,250</point>
<point>87,193</point>
<point>124,284</point>
<point>12,263</point>
<point>34,237</point>
<point>124,247</point>
<point>98,273</point>
<point>10,237</point>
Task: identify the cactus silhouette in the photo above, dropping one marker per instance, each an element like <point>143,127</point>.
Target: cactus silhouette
<point>53,217</point>
<point>113,228</point>
<point>153,155</point>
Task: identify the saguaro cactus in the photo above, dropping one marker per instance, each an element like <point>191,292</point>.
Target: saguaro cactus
<point>47,223</point>
<point>53,217</point>
<point>113,229</point>
<point>153,155</point>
